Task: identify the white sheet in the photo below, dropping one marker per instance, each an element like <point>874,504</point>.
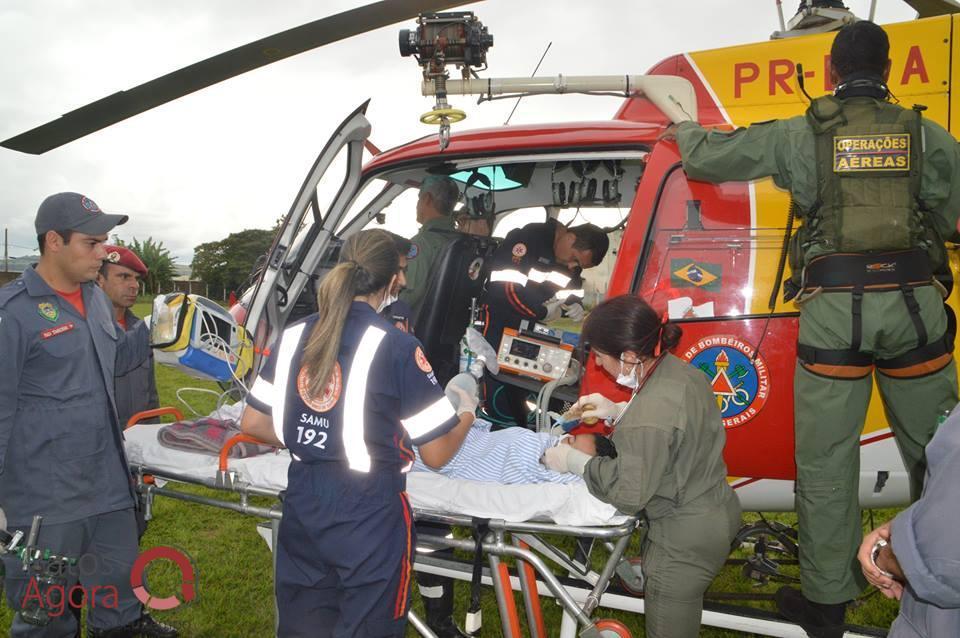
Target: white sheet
<point>562,504</point>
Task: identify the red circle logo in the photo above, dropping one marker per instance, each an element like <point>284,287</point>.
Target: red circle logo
<point>519,250</point>
<point>188,577</point>
<point>331,392</point>
<point>422,362</point>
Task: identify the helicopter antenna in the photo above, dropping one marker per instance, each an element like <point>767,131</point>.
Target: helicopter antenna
<point>537,68</point>
<point>800,82</point>
<point>783,25</point>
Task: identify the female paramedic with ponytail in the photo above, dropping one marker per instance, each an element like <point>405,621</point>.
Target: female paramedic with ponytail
<point>348,394</point>
<point>669,465</point>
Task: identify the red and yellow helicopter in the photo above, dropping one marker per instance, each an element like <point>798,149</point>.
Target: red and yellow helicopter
<point>708,254</point>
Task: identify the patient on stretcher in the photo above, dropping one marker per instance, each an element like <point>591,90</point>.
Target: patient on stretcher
<point>513,455</point>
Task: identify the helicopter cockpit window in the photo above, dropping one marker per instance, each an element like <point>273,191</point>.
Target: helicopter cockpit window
<point>381,204</point>
<point>497,178</point>
<point>705,257</point>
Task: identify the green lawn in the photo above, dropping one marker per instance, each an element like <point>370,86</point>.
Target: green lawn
<point>234,565</point>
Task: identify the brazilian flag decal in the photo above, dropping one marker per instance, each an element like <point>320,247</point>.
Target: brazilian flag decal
<point>686,273</point>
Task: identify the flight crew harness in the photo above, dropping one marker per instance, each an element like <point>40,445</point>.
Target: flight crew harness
<point>876,272</point>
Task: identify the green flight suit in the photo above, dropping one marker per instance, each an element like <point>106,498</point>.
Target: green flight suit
<point>426,247</point>
<point>670,466</point>
<point>829,413</point>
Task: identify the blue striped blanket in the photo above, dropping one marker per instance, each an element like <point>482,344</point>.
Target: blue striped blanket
<point>507,456</point>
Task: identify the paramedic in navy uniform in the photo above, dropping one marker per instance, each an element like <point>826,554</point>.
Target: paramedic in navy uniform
<point>348,394</point>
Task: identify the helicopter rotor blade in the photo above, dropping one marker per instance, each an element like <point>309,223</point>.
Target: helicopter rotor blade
<point>930,8</point>
<point>124,104</point>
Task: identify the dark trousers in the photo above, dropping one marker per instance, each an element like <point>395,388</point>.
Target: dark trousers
<point>106,547</point>
<point>344,554</point>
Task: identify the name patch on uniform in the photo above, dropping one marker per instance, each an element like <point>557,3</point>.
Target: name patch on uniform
<point>863,153</point>
<point>59,330</point>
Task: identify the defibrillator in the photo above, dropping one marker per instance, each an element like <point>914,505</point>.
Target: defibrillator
<point>199,337</point>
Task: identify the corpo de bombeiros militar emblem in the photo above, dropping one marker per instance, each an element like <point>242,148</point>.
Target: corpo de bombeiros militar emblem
<point>740,382</point>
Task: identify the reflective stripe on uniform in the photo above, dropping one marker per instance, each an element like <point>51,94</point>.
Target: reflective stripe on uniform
<point>509,275</point>
<point>556,278</point>
<point>429,418</point>
<point>263,392</point>
<point>353,428</point>
<point>563,294</point>
<point>289,342</point>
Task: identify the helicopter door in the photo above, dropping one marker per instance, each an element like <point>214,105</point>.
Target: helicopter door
<point>306,239</point>
<point>712,265</point>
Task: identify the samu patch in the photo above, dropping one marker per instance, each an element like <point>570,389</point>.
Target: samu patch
<point>421,360</point>
<point>866,153</point>
<point>519,250</point>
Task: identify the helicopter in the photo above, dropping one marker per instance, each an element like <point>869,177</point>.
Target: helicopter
<point>707,254</point>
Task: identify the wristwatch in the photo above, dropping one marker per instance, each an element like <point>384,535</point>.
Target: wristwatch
<point>879,545</point>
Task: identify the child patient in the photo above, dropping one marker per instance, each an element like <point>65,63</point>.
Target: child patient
<point>513,455</point>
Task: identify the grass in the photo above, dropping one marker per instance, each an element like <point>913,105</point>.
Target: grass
<point>235,596</point>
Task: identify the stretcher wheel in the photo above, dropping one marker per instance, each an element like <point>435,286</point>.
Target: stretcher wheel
<point>610,628</point>
<point>633,582</point>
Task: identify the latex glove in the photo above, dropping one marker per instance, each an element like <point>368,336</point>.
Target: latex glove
<point>553,310</point>
<point>574,311</point>
<point>462,400</point>
<point>565,458</point>
<point>594,406</point>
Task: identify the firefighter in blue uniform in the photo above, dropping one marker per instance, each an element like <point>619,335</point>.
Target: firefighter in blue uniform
<point>535,275</point>
<point>61,448</point>
<point>349,394</point>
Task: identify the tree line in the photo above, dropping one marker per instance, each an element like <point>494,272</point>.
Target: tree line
<point>224,265</point>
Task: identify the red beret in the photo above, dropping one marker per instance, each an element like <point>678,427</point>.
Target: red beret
<point>126,257</point>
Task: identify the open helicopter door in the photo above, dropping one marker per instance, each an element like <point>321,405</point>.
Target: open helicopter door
<point>306,236</point>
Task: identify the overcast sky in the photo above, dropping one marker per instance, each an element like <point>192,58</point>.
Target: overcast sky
<point>232,156</point>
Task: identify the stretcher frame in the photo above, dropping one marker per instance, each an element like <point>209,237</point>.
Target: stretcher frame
<point>517,540</point>
<point>579,594</point>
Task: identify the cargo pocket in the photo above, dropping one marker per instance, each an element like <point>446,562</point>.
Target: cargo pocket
<point>79,466</point>
<point>80,444</point>
<point>61,359</point>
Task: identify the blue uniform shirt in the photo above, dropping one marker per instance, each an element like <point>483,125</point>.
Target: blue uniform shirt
<point>382,396</point>
<point>61,452</point>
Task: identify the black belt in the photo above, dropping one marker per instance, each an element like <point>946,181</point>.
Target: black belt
<point>851,271</point>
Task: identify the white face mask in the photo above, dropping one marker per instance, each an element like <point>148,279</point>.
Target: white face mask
<point>387,301</point>
<point>389,298</point>
<point>630,380</point>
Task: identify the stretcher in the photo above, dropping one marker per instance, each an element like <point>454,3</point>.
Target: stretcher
<point>519,522</point>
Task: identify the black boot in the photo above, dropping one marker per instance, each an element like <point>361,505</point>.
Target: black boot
<point>149,627</point>
<point>440,614</point>
<point>817,619</point>
<point>143,627</point>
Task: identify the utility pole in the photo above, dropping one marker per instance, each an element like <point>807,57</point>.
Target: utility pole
<point>6,261</point>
